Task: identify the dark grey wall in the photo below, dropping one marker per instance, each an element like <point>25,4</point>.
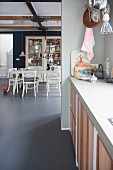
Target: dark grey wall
<point>18,36</point>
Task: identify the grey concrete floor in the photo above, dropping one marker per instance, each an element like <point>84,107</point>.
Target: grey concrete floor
<point>30,133</point>
<point>29,106</point>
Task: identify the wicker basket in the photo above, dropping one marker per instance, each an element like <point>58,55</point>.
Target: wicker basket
<point>4,88</point>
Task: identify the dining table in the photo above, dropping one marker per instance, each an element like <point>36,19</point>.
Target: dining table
<point>21,71</point>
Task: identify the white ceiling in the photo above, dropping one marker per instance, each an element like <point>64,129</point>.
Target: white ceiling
<point>14,9</point>
<point>48,8</point>
<point>21,9</point>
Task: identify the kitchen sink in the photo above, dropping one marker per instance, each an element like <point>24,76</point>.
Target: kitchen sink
<point>111,120</point>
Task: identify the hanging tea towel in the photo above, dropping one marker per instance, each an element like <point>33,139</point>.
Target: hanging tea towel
<point>88,43</point>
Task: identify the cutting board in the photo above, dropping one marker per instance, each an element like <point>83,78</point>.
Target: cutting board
<point>75,57</point>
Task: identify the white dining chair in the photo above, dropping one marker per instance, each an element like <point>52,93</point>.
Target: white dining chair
<point>53,80</point>
<point>30,81</point>
<point>11,79</point>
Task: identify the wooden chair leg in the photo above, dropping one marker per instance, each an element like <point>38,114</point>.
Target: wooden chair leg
<point>8,86</point>
<point>48,89</point>
<point>47,94</point>
<point>17,87</point>
<point>23,90</point>
<point>34,90</point>
<point>37,85</point>
<point>20,85</point>
<point>26,87</point>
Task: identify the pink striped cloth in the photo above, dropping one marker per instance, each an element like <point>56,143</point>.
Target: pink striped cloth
<point>88,43</point>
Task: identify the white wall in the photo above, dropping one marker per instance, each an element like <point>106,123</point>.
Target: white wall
<point>6,44</point>
<point>72,38</point>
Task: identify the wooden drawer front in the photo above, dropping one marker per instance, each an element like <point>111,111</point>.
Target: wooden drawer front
<point>104,161</point>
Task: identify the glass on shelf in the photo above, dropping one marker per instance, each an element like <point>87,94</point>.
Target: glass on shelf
<point>57,48</point>
<point>35,47</point>
<point>34,62</point>
<point>53,41</point>
<point>52,48</point>
<point>32,42</point>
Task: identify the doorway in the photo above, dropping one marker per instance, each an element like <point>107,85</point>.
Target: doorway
<point>6,51</point>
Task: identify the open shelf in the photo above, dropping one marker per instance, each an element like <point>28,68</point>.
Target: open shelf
<point>38,48</point>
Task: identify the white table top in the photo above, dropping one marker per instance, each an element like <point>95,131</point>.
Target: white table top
<point>97,98</point>
<point>38,70</point>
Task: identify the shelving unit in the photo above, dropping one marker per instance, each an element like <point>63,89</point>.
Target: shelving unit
<point>38,48</point>
<point>34,48</point>
<point>40,51</point>
<point>53,47</point>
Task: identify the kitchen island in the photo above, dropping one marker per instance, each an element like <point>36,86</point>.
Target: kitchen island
<point>91,108</point>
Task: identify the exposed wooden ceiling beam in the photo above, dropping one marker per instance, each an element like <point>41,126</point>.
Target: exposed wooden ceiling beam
<point>14,18</point>
<point>18,27</point>
<point>54,28</point>
<point>42,18</point>
<point>52,18</point>
<point>31,8</point>
<point>47,1</point>
<point>30,27</point>
<point>34,1</point>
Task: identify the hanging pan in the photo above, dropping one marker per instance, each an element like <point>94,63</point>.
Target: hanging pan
<point>88,22</point>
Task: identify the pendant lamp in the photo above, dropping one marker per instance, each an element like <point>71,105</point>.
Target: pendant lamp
<point>106,27</point>
<point>22,52</point>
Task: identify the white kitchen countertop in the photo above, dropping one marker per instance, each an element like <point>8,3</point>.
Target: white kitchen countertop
<point>97,99</point>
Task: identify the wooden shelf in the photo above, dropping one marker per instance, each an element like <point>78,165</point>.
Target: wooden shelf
<point>56,59</point>
<point>52,44</point>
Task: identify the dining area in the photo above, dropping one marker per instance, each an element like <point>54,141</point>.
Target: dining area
<point>21,81</point>
<point>38,68</point>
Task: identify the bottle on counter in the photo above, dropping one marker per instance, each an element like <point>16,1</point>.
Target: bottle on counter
<point>106,68</point>
<point>93,79</point>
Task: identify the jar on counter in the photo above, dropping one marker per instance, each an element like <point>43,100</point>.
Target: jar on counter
<point>93,79</point>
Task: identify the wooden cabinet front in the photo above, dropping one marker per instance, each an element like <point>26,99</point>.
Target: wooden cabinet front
<point>90,151</point>
<point>79,135</point>
<point>90,144</point>
<point>104,161</point>
<point>85,140</point>
<point>73,116</point>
